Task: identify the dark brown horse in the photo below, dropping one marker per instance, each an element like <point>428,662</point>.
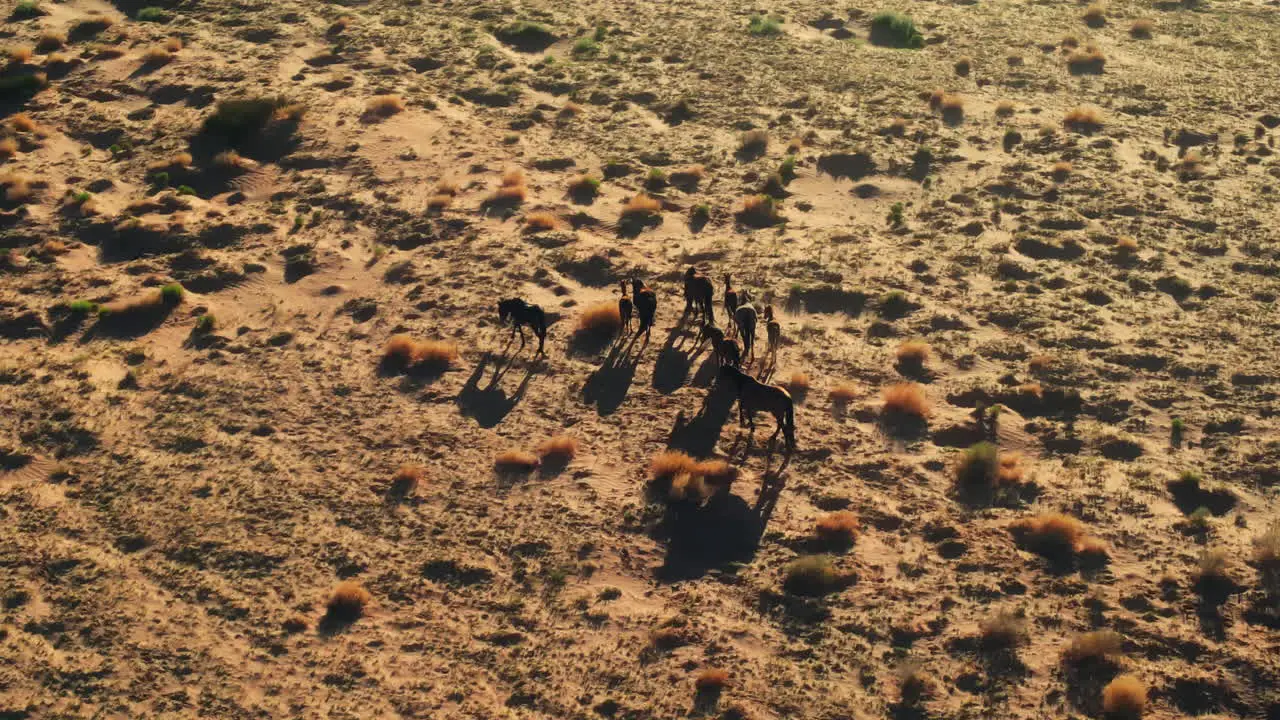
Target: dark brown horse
<point>754,396</point>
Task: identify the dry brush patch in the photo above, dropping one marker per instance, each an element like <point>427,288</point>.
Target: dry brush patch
<point>913,354</point>
<point>347,603</point>
<point>1124,698</point>
<point>1084,120</point>
<point>905,403</point>
<point>837,529</point>
<point>597,325</point>
<point>1059,538</point>
<point>557,452</point>
<point>798,385</point>
<point>515,462</point>
<point>427,357</point>
<point>677,477</point>
<point>984,474</point>
<point>536,222</point>
<point>381,107</point>
<point>406,480</point>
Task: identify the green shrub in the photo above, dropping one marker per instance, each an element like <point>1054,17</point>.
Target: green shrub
<point>526,36</point>
<point>205,324</point>
<point>787,170</point>
<point>83,307</point>
<point>241,118</point>
<point>26,9</point>
<point>186,190</point>
<point>171,293</point>
<point>812,575</point>
<point>160,179</point>
<point>897,215</point>
<point>152,14</point>
<point>765,25</point>
<point>893,29</point>
<point>585,46</point>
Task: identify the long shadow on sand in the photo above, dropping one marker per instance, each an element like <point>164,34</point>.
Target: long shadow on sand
<point>725,530</point>
<point>608,385</point>
<point>490,404</point>
<point>675,359</point>
<point>698,436</point>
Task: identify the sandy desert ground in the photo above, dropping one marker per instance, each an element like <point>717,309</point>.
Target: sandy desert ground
<point>219,498</point>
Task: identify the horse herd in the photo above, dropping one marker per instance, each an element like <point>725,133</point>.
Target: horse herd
<point>753,396</point>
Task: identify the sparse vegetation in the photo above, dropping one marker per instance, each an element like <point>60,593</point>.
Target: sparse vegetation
<point>405,354</point>
<point>839,528</point>
<point>584,186</point>
<point>913,354</point>
<point>1142,29</point>
<point>812,575</point>
<point>602,320</point>
<point>540,222</point>
<point>383,106</point>
<point>676,477</point>
<point>516,462</point>
<point>764,25</point>
<point>1095,16</point>
<point>893,29</point>
<point>1088,61</point>
<point>1059,538</point>
<point>1084,120</point>
<point>906,401</point>
<point>1099,648</point>
<point>1124,698</point>
<point>1003,631</point>
<point>347,603</point>
<point>759,211</point>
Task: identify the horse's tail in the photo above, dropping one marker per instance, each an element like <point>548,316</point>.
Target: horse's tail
<point>789,424</point>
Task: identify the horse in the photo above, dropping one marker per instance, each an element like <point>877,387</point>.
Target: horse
<point>726,351</point>
<point>754,396</point>
<point>745,316</point>
<point>624,307</point>
<point>730,301</point>
<point>699,294</point>
<point>522,313</point>
<point>774,330</point>
<point>646,303</point>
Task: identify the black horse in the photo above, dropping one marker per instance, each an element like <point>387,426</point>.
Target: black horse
<point>522,313</point>
<point>754,396</point>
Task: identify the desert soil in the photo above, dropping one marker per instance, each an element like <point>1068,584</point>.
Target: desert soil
<point>184,483</point>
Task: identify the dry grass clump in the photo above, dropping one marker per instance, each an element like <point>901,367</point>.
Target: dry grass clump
<point>18,188</point>
<point>843,394</point>
<point>711,680</point>
<point>1266,556</point>
<point>753,142</point>
<point>231,160</point>
<point>20,54</point>
<point>600,320</point>
<point>914,684</point>
<point>1040,364</point>
<point>570,109</point>
<point>689,176</point>
<point>50,41</point>
<point>906,401</point>
<point>1142,28</point>
<point>8,147</point>
<point>1083,120</point>
<point>178,161</point>
<point>1005,108</point>
<point>983,471</point>
<point>1126,245</point>
<point>405,354</point>
<point>1095,16</point>
<point>540,222</point>
<point>508,195</point>
<point>1100,648</point>
<point>1061,170</point>
<point>447,186</point>
<point>838,528</point>
<point>798,385</point>
<point>347,602</point>
<point>92,26</point>
<point>584,186</point>
<point>676,477</point>
<point>1003,631</point>
<point>558,451</point>
<point>1058,537</point>
<point>812,576</point>
<point>383,106</point>
<point>340,25</point>
<point>516,462</point>
<point>406,480</point>
<point>913,354</point>
<point>1089,61</point>
<point>173,44</point>
<point>1190,166</point>
<point>640,207</point>
<point>22,122</point>
<point>1124,698</point>
<point>759,211</point>
<point>156,55</point>
<point>963,66</point>
<point>436,203</point>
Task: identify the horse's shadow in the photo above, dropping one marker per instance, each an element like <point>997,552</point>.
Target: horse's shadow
<point>490,404</point>
<point>699,435</point>
<point>674,361</point>
<point>607,387</point>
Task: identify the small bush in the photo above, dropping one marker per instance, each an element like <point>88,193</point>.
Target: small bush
<point>1124,698</point>
<point>1089,61</point>
<point>753,142</point>
<point>23,123</point>
<point>340,25</point>
<point>156,56</point>
<point>516,462</point>
<point>913,354</point>
<point>584,186</point>
<point>914,684</point>
<point>640,207</point>
<point>570,110</point>
<point>843,394</point>
<point>8,147</point>
<point>812,576</point>
<point>20,54</point>
<point>837,528</point>
<point>90,27</point>
<point>893,29</point>
<point>1003,631</point>
<point>1266,555</point>
<point>50,41</point>
<point>507,196</point>
<point>1084,120</point>
<point>798,385</point>
<point>906,401</point>
<point>1005,108</point>
<point>540,222</point>
<point>1061,170</point>
<point>83,307</point>
<point>897,216</point>
<point>1100,648</point>
<point>951,107</point>
<point>436,203</point>
<point>347,602</point>
<point>711,680</point>
<point>963,66</point>
<point>602,320</point>
<point>759,211</point>
<point>1095,16</point>
<point>171,294</point>
<point>239,119</point>
<point>383,106</point>
<point>1142,29</point>
<point>1058,537</point>
<point>403,353</point>
<point>26,9</point>
<point>558,451</point>
<point>764,25</point>
<point>585,46</point>
<point>152,14</point>
<point>406,480</point>
<point>1213,572</point>
<point>689,176</point>
<point>675,477</point>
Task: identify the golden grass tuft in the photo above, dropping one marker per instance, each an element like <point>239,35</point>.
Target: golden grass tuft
<point>641,206</point>
<point>666,465</point>
<point>1005,108</point>
<point>173,44</point>
<point>508,195</point>
<point>963,66</point>
<point>1099,647</point>
<point>570,109</point>
<point>404,353</point>
<point>22,122</point>
<point>383,106</point>
<point>759,210</point>
<point>17,188</point>
<point>1126,245</point>
<point>50,41</point>
<point>1089,60</point>
<point>177,161</point>
<point>516,461</point>
<point>906,400</point>
<point>513,178</point>
<point>348,602</point>
<point>584,185</point>
<point>540,222</point>
<point>230,159</point>
<point>1061,170</point>
<point>1124,698</point>
<point>1190,166</point>
<point>8,147</point>
<point>20,54</point>
<point>1003,631</point>
<point>600,320</point>
<point>1069,42</point>
<point>337,27</point>
<point>156,55</point>
<point>840,527</point>
<point>1095,16</point>
<point>896,128</point>
<point>1040,363</point>
<point>753,141</point>
<point>711,680</point>
<point>1058,537</point>
<point>679,477</point>
<point>1083,119</point>
<point>913,353</point>
<point>1142,28</point>
<point>798,384</point>
<point>914,684</point>
<point>558,450</point>
<point>982,471</point>
<point>447,186</point>
<point>406,479</point>
<point>436,203</point>
<point>689,176</point>
<point>843,394</point>
<point>1031,391</point>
